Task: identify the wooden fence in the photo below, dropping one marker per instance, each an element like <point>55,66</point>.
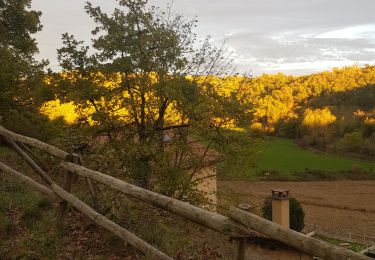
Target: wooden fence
<point>238,225</point>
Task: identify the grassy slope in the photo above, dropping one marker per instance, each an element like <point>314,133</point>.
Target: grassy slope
<point>285,160</point>
<point>285,156</point>
<point>26,219</point>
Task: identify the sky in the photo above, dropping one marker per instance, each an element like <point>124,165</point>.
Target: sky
<point>294,37</point>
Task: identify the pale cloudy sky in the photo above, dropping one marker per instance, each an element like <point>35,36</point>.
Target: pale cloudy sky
<point>267,36</point>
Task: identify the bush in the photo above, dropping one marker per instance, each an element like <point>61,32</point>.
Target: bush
<point>296,213</point>
<point>351,142</point>
<point>369,147</point>
<point>33,124</point>
<point>306,140</point>
<point>267,208</point>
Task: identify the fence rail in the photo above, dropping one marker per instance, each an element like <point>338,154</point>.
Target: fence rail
<point>239,224</point>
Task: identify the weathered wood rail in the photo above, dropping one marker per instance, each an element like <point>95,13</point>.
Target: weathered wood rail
<point>307,244</point>
<point>238,224</point>
<point>198,215</point>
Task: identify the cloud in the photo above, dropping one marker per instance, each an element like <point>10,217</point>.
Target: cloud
<point>266,35</point>
<point>292,36</point>
<point>366,31</point>
<point>300,51</point>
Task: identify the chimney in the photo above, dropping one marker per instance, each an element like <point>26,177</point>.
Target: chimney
<point>280,207</point>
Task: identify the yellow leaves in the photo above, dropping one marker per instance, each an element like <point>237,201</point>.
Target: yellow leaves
<point>270,98</point>
<point>259,127</point>
<point>223,86</point>
<point>359,113</point>
<point>318,117</point>
<point>114,106</point>
<point>55,109</point>
<point>367,117</point>
<point>370,121</point>
<point>173,116</point>
<point>226,123</point>
<point>67,111</point>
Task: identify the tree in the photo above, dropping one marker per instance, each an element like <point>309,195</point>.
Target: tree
<point>22,87</point>
<point>19,73</point>
<point>296,213</point>
<point>142,82</point>
<point>318,123</point>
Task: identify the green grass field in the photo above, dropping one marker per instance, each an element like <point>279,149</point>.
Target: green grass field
<point>284,155</point>
<point>285,160</point>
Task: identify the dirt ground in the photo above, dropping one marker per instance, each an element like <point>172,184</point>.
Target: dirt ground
<point>348,206</point>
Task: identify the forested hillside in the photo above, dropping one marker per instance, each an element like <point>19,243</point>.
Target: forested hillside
<point>330,110</point>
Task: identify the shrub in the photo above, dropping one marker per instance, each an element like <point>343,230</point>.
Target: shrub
<point>267,208</point>
<point>319,124</point>
<point>296,213</point>
<point>306,140</point>
<point>33,124</point>
<point>351,142</point>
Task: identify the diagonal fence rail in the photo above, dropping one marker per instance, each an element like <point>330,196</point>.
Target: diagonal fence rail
<point>238,224</point>
<point>56,191</point>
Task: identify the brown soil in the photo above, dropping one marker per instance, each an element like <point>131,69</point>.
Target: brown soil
<point>348,206</point>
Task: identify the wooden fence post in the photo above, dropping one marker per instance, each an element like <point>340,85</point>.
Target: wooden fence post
<point>90,185</point>
<point>61,211</point>
<point>239,248</point>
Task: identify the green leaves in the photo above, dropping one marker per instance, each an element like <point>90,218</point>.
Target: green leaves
<point>20,74</point>
<point>17,25</point>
